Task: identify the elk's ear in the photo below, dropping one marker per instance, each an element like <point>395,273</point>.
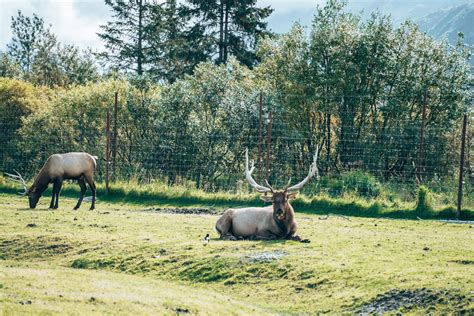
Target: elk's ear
<point>292,195</point>
<point>267,198</point>
<point>33,189</point>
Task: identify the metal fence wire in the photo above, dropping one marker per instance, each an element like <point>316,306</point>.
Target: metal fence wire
<point>366,146</point>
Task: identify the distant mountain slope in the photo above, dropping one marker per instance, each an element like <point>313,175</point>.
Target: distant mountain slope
<point>449,22</point>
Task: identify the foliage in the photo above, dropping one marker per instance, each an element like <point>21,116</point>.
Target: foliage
<point>358,182</point>
<point>231,28</point>
<point>168,40</point>
<point>354,89</point>
<point>127,37</point>
<point>423,204</point>
<point>19,100</point>
<point>35,55</point>
<point>371,80</point>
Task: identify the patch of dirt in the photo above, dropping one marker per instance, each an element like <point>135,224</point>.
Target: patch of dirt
<point>181,310</point>
<point>463,261</point>
<point>31,247</point>
<point>405,300</point>
<point>182,210</point>
<point>266,256</point>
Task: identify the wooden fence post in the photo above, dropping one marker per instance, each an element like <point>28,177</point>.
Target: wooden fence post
<point>107,152</point>
<point>461,166</point>
<point>269,142</point>
<point>260,127</point>
<point>422,132</point>
<point>114,139</point>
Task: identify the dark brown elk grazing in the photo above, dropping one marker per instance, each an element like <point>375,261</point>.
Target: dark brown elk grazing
<point>271,222</point>
<point>59,167</point>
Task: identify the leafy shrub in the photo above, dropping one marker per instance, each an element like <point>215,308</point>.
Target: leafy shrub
<point>423,204</point>
<point>359,182</point>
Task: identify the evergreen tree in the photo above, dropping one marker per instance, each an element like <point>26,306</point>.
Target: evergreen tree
<point>176,47</point>
<point>127,38</point>
<point>232,27</point>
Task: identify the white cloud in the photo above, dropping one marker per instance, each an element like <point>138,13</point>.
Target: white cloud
<point>69,19</point>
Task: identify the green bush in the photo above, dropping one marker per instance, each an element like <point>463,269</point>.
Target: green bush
<point>423,204</point>
<point>358,182</point>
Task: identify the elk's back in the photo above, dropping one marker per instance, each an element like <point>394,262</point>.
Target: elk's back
<point>71,165</point>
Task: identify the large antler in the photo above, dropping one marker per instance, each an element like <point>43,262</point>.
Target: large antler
<point>18,178</point>
<point>313,170</point>
<point>252,182</point>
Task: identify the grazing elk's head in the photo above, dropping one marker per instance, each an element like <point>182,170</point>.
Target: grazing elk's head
<point>32,194</point>
<point>279,198</point>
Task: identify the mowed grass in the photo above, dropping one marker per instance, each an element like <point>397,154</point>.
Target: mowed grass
<point>127,259</point>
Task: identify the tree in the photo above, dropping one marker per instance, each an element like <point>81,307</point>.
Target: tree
<point>175,45</point>
<point>36,55</point>
<point>127,38</point>
<point>8,67</point>
<point>231,27</point>
<point>28,35</point>
<point>369,80</point>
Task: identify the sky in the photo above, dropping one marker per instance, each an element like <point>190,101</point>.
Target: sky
<point>77,21</point>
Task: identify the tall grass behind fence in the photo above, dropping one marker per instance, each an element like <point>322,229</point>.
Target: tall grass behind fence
<point>373,149</point>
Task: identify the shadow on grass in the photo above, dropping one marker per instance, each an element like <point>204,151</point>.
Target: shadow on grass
<point>315,205</point>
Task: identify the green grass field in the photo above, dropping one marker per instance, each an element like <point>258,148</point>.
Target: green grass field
<point>129,259</point>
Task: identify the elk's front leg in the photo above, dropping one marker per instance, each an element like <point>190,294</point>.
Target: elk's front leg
<point>260,237</point>
<point>57,189</point>
<point>51,205</point>
<point>53,196</point>
<point>297,238</point>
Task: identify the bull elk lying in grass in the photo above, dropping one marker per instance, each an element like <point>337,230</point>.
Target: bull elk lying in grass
<point>59,167</point>
<point>271,222</point>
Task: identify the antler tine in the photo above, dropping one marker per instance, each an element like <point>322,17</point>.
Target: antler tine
<point>12,176</point>
<point>288,184</point>
<point>248,176</point>
<point>313,170</point>
<point>19,179</point>
<point>269,186</point>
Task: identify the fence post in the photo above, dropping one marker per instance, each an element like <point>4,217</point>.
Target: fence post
<point>260,127</point>
<point>107,152</point>
<point>114,139</point>
<point>328,146</point>
<point>461,165</point>
<point>269,142</point>
<point>422,132</point>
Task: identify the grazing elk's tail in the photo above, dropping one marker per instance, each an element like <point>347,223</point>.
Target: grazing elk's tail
<point>95,161</point>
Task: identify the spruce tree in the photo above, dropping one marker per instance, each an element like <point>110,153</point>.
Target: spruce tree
<point>232,27</point>
<point>127,37</point>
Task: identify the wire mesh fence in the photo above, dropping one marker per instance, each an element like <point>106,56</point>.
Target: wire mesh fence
<point>369,148</point>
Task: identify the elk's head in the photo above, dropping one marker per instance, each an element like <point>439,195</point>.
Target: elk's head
<point>33,196</point>
<point>31,193</point>
<point>279,198</point>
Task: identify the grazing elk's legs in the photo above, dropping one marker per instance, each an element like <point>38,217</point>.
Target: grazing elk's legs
<point>82,184</point>
<point>91,183</point>
<point>58,183</point>
<point>56,188</point>
<point>51,205</point>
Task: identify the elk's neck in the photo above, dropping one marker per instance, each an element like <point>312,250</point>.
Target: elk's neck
<point>284,224</point>
<point>41,181</point>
